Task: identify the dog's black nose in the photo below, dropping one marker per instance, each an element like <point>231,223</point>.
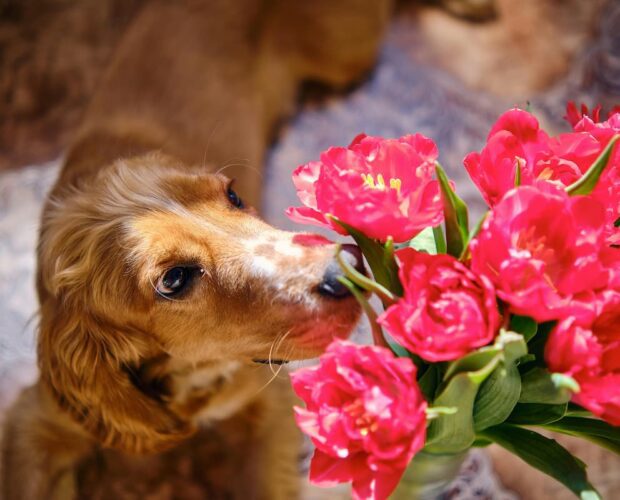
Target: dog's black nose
<point>330,286</point>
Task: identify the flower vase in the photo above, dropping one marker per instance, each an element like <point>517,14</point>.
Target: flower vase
<point>427,475</point>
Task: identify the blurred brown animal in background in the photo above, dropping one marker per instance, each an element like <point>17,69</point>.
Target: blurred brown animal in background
<point>524,49</point>
<point>161,292</point>
<point>53,54</point>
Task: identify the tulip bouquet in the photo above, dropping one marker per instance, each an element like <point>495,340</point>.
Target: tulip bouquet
<point>486,334</point>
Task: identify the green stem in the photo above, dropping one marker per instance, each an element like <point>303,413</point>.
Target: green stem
<point>377,332</point>
<point>588,181</point>
<point>440,240</point>
<point>364,282</point>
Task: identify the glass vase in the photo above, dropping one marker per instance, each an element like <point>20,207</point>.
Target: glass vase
<point>427,476</point>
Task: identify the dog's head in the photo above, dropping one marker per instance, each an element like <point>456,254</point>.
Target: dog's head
<point>153,258</point>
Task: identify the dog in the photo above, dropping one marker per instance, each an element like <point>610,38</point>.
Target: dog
<point>164,301</point>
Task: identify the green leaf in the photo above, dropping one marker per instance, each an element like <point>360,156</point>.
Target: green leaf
<point>437,411</point>
<point>389,263</point>
<point>538,342</point>
<point>545,455</point>
<point>536,413</point>
<point>510,344</point>
<point>587,183</point>
<point>518,173</point>
<point>460,387</point>
<point>455,433</point>
<point>399,350</point>
<point>574,410</point>
<point>594,430</point>
<point>524,325</point>
<point>472,361</point>
<point>380,258</point>
<point>478,226</point>
<point>497,396</point>
<point>481,443</point>
<point>429,381</point>
<point>440,240</point>
<point>425,241</point>
<point>540,386</point>
<point>529,357</point>
<point>513,344</point>
<point>456,218</point>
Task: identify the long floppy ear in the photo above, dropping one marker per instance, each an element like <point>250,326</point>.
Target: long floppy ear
<point>88,334</point>
<point>83,360</point>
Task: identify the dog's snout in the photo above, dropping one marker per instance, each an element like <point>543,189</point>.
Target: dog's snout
<point>330,286</point>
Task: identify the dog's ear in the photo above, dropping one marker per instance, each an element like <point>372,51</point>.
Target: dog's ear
<point>84,360</point>
<point>89,333</point>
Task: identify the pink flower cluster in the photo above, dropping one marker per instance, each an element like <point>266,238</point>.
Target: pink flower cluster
<point>350,183</point>
<point>446,311</point>
<point>540,253</point>
<point>589,351</point>
<point>552,256</point>
<point>545,252</point>
<point>365,415</point>
<point>517,144</point>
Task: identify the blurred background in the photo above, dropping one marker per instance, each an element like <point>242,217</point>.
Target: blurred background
<point>447,69</point>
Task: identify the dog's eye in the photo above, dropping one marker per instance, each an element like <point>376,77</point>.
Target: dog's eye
<point>174,281</point>
<point>234,198</point>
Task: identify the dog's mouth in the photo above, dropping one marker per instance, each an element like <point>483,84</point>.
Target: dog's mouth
<point>271,361</point>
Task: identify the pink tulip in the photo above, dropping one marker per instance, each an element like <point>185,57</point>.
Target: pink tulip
<point>608,187</point>
<point>574,115</point>
<point>364,413</point>
<point>590,353</point>
<point>545,252</point>
<point>381,187</point>
<point>447,310</point>
<point>517,142</point>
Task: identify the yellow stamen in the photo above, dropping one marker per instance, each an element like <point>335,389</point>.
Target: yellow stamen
<point>368,180</point>
<point>380,184</point>
<point>546,174</point>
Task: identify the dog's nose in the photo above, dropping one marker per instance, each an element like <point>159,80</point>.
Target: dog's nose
<point>330,286</point>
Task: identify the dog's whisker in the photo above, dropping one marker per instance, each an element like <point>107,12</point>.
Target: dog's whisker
<point>268,383</point>
<point>246,160</point>
<point>279,339</point>
<point>211,134</point>
<point>230,164</point>
<point>269,357</point>
<point>233,164</point>
<point>282,338</point>
<point>289,350</point>
<point>244,165</point>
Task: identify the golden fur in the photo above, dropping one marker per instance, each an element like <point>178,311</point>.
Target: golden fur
<point>193,86</point>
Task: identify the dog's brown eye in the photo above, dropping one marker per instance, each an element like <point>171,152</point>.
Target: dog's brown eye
<point>234,198</point>
<point>173,281</point>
